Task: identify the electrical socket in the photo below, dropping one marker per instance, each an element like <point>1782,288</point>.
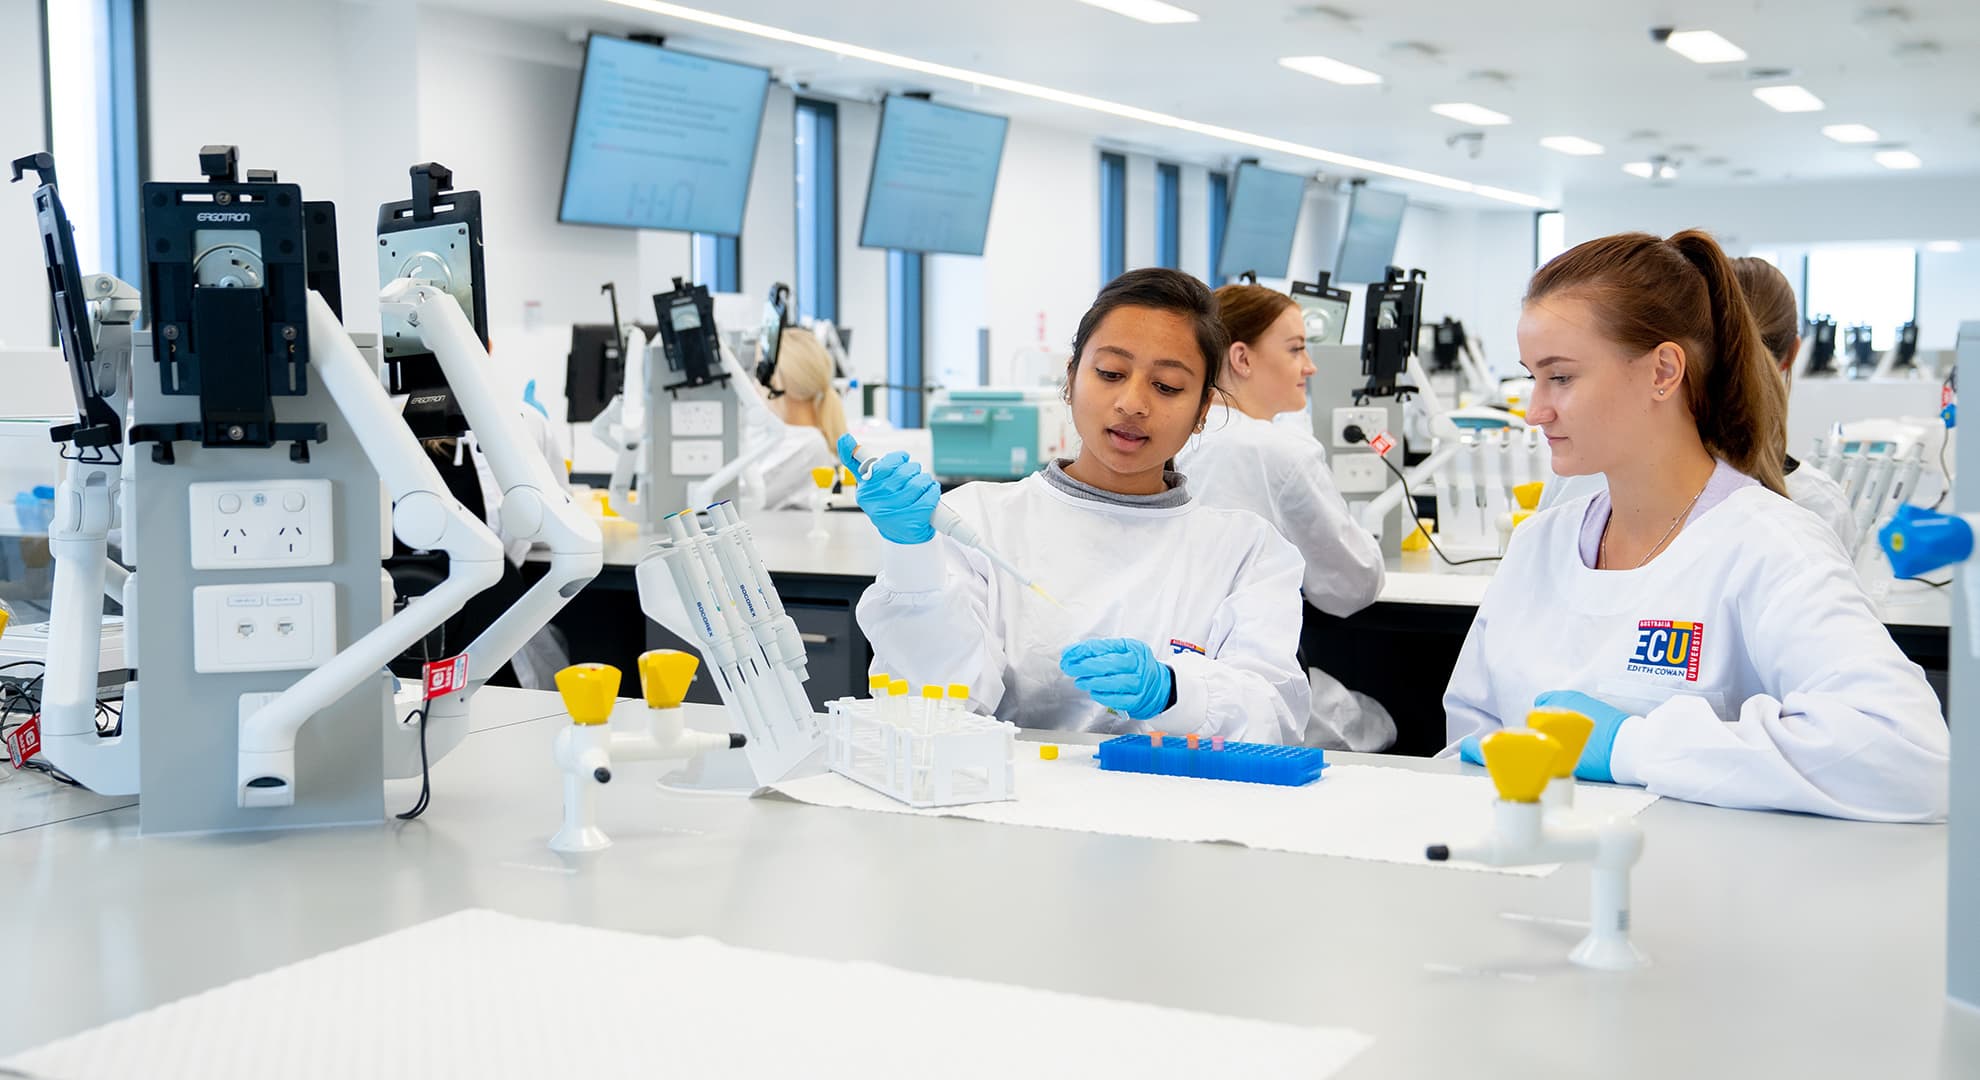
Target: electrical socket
<point>1359,474</point>
<point>1370,420</point>
<point>277,626</point>
<point>695,457</point>
<point>696,419</point>
<point>256,524</point>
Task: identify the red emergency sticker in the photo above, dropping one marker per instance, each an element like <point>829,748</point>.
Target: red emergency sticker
<point>444,677</point>
<point>1382,443</point>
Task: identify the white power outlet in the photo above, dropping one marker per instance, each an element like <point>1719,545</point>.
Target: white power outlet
<point>696,419</point>
<point>1359,474</point>
<point>1370,421</point>
<point>277,626</point>
<point>257,524</point>
<point>696,457</point>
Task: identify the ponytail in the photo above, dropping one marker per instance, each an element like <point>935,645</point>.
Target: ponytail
<point>1648,291</point>
<point>1742,407</point>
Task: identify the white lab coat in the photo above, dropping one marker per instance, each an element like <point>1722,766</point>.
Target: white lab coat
<point>1810,487</point>
<point>1807,486</point>
<point>783,472</point>
<point>1214,592</point>
<point>1754,668</point>
<point>1257,465</point>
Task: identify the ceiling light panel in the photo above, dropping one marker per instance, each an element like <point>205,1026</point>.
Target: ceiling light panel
<point>1321,67</point>
<point>1148,11</point>
<point>1789,98</point>
<point>1464,112</point>
<point>1571,144</point>
<point>1704,47</point>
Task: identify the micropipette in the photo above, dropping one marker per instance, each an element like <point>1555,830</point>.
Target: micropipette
<point>950,523</point>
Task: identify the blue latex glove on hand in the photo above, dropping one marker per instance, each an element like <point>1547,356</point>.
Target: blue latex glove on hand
<point>1122,674</point>
<point>1594,764</point>
<point>897,495</point>
<point>1470,751</point>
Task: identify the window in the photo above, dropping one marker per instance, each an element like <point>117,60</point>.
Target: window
<point>718,262</point>
<point>1113,216</point>
<point>1168,216</point>
<point>94,52</point>
<point>904,338</point>
<point>1220,215</point>
<point>817,210</point>
<point>1859,285</point>
<point>1549,236</point>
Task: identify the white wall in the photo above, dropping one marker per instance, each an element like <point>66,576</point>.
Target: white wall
<point>1948,294</point>
<point>24,300</point>
<point>1885,208</point>
<point>862,271</point>
<point>1789,218</point>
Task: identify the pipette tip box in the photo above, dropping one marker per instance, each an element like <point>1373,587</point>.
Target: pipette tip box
<point>1252,763</point>
<point>943,760</point>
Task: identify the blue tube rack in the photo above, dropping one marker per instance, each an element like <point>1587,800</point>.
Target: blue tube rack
<point>1251,763</point>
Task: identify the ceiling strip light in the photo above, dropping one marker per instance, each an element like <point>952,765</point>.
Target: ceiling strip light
<point>1078,101</point>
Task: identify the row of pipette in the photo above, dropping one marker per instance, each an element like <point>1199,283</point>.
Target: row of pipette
<point>934,710</point>
<point>756,655</point>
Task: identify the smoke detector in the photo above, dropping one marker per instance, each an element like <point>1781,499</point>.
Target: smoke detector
<point>1415,53</point>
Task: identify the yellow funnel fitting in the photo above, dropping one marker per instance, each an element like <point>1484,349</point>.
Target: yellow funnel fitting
<point>1521,763</point>
<point>1528,495</point>
<point>664,676</point>
<point>1564,726</point>
<point>589,691</point>
<point>822,476</point>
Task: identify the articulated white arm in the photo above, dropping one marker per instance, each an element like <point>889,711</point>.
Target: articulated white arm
<point>424,515</point>
<point>534,506</point>
<point>1372,512</point>
<point>621,424</point>
<point>77,540</point>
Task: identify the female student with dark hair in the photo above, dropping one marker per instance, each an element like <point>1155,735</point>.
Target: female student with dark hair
<point>1245,461</point>
<point>1714,631</point>
<point>1177,617</point>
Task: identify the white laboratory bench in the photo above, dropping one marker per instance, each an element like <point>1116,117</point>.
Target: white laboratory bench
<point>1781,945</point>
<point>1400,650</point>
<point>851,548</point>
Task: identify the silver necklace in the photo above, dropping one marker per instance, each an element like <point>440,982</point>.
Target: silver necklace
<point>1602,549</point>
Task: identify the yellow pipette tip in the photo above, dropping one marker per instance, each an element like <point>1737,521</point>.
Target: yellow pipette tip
<point>1040,590</point>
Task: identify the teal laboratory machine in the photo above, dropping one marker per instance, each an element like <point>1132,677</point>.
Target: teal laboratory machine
<point>997,434</point>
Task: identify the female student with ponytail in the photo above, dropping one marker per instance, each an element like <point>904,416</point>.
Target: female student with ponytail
<point>1714,631</point>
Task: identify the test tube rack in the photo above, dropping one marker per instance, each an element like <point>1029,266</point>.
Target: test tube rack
<point>945,759</point>
<point>1213,759</point>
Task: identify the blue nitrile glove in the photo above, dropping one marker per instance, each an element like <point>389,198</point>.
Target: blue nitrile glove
<point>1122,674</point>
<point>1470,750</point>
<point>897,495</point>
<point>1594,764</point>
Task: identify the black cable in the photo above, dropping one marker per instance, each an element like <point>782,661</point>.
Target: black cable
<point>1354,434</point>
<point>425,782</point>
<point>1945,478</point>
<point>1934,584</point>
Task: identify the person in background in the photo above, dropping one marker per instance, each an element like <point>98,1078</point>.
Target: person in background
<point>1714,631</point>
<point>1778,318</point>
<point>1244,461</point>
<point>805,423</point>
<point>1177,616</point>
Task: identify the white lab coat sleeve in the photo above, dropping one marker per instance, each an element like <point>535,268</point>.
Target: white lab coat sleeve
<point>930,616</point>
<point>1248,683</point>
<point>1343,560</point>
<point>1854,732</point>
<point>1468,700</point>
